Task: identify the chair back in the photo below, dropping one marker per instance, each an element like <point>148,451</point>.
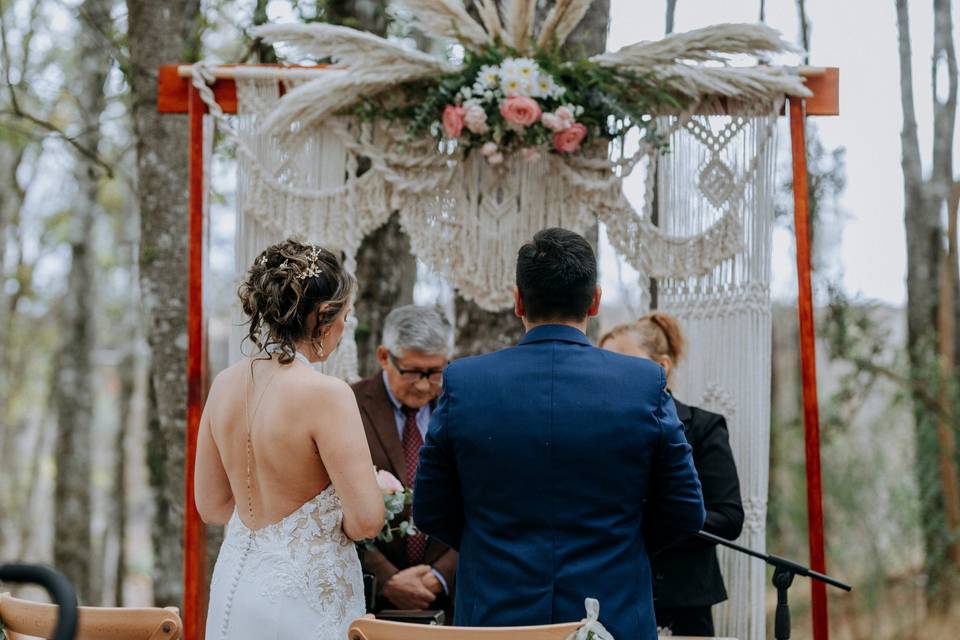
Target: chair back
<point>370,629</point>
<point>38,620</point>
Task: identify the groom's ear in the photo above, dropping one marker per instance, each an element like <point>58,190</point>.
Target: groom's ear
<point>595,303</point>
<point>518,303</point>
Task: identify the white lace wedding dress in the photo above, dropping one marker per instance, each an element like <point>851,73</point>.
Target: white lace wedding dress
<point>297,578</point>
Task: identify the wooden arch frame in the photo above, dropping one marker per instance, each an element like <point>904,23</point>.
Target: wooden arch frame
<point>175,94</point>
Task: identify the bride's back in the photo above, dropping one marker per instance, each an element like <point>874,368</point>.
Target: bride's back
<point>274,432</point>
<point>285,466</point>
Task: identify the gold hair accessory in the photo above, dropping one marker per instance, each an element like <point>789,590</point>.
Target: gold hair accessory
<point>313,268</point>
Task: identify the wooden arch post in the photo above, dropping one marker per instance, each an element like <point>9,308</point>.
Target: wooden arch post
<point>175,94</point>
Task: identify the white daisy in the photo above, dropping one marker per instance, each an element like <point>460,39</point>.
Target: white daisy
<point>514,85</point>
<point>488,76</point>
<point>525,67</point>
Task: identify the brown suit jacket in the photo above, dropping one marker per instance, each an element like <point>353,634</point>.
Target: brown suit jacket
<point>380,424</point>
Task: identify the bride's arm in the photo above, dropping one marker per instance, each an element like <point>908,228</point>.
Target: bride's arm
<point>213,496</point>
<point>342,444</point>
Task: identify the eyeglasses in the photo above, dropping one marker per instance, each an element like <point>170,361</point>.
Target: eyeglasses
<point>433,376</point>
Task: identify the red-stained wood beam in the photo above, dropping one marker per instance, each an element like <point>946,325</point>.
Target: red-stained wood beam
<point>173,92</point>
<point>808,367</point>
<point>194,539</point>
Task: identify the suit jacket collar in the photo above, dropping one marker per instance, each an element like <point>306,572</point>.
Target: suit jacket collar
<point>561,332</point>
<point>384,420</point>
<point>683,412</point>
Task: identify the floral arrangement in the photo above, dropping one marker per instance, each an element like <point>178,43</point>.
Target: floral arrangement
<point>516,87</point>
<point>500,102</point>
<point>396,498</point>
<point>516,94</point>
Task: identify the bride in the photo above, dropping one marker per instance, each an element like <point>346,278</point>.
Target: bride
<point>282,461</point>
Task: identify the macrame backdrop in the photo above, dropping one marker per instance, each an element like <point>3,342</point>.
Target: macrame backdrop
<point>717,162</point>
<point>305,172</point>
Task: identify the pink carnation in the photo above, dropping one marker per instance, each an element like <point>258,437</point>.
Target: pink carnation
<point>495,158</point>
<point>520,111</point>
<point>564,114</point>
<point>552,122</point>
<point>530,154</point>
<point>475,118</point>
<point>388,482</point>
<point>453,121</point>
<point>568,140</point>
<point>489,148</point>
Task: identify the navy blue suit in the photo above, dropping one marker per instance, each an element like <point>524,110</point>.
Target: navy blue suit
<point>540,464</point>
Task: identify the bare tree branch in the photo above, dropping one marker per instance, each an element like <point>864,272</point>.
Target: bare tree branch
<point>908,135</point>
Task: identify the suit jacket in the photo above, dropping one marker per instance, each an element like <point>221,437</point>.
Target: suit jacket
<point>688,574</point>
<point>535,468</point>
<point>388,558</point>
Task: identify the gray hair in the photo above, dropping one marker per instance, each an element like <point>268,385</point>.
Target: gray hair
<point>415,328</point>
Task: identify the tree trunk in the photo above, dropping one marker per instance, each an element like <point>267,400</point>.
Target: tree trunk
<point>73,386</point>
<point>803,26</point>
<point>481,331</point>
<point>386,271</point>
<point>923,202</point>
<point>163,32</point>
<point>671,13</point>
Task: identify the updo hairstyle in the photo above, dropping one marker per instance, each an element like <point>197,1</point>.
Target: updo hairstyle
<point>287,284</point>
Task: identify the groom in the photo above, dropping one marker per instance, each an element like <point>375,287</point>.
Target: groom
<point>542,462</point>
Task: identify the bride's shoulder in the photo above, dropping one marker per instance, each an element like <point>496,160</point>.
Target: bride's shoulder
<point>320,387</point>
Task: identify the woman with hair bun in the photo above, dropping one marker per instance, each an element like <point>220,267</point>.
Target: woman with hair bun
<point>283,461</point>
<point>686,575</point>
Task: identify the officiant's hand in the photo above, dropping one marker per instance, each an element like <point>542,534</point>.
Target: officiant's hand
<point>431,582</point>
<point>406,589</point>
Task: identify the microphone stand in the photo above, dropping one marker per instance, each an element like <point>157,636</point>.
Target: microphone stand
<point>783,573</point>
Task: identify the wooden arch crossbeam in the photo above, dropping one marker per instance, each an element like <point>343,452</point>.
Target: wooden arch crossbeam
<point>176,95</point>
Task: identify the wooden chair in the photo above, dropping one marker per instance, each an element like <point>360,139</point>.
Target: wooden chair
<point>25,619</point>
<point>370,629</point>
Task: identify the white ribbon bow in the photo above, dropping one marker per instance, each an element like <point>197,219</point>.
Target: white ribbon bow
<point>591,629</point>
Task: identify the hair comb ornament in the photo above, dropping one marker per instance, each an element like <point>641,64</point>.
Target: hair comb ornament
<point>313,268</point>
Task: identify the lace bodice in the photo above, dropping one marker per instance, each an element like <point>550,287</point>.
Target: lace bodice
<point>301,573</point>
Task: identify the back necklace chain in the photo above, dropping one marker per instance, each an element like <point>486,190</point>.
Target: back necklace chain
<point>249,416</point>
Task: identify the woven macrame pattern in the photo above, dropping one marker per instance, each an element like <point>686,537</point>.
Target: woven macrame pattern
<point>334,183</point>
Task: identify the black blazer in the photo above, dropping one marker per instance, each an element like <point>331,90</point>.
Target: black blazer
<point>687,574</point>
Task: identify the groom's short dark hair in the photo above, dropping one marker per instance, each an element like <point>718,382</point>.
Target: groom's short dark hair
<point>556,276</point>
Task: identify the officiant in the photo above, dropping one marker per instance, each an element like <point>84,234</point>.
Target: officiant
<point>415,572</point>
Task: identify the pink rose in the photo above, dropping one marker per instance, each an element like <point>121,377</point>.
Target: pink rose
<point>495,158</point>
<point>568,140</point>
<point>564,114</point>
<point>520,111</point>
<point>453,121</point>
<point>388,482</point>
<point>475,118</point>
<point>530,154</point>
<point>488,148</point>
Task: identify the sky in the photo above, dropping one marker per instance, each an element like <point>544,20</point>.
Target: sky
<point>860,37</point>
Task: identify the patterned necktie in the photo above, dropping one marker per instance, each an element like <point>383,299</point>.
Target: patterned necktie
<point>412,441</point>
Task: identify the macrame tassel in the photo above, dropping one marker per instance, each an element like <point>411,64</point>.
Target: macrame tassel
<point>717,162</point>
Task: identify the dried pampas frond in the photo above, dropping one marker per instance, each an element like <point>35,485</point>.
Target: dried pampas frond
<point>314,101</point>
<point>562,20</point>
<point>490,17</point>
<point>745,83</point>
<point>446,19</point>
<point>710,44</point>
<point>519,25</point>
<point>350,47</point>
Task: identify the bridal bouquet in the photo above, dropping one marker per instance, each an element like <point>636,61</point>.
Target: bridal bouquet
<point>395,499</point>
